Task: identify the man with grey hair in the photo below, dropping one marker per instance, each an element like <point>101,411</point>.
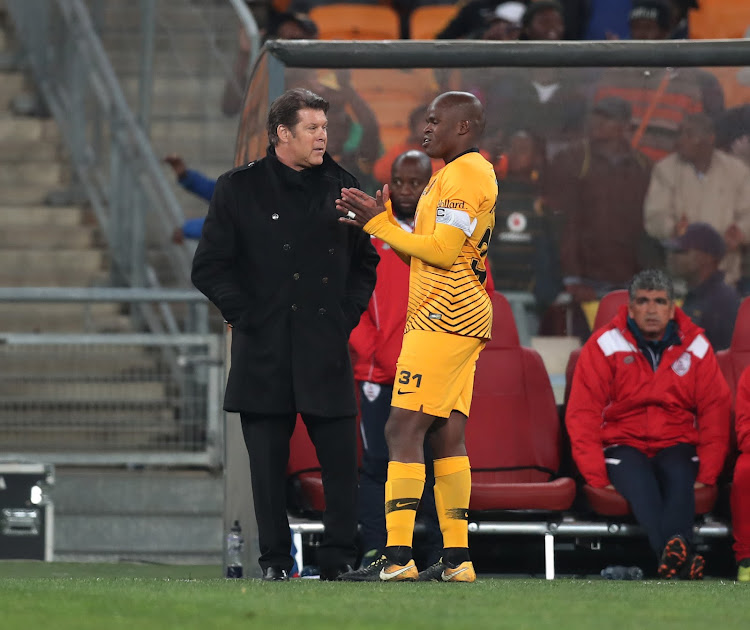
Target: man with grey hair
<point>648,416</point>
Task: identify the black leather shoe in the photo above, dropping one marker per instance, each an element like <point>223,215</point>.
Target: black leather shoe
<point>332,573</point>
<point>275,574</point>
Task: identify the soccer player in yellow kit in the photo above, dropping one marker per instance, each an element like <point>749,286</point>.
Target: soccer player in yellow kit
<point>448,322</point>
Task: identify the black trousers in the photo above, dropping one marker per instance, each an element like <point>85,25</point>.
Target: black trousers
<point>335,439</point>
<point>659,489</point>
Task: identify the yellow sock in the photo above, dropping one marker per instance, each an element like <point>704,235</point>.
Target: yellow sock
<point>403,490</point>
<point>452,493</point>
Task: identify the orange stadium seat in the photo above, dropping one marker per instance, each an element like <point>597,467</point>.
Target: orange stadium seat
<point>607,309</point>
<point>513,437</point>
<point>425,22</point>
<point>719,19</point>
<point>355,21</point>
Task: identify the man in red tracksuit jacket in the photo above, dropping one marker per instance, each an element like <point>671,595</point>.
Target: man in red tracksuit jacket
<point>741,486</point>
<point>375,345</point>
<point>649,416</point>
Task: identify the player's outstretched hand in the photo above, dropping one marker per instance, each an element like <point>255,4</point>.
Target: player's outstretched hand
<point>358,207</point>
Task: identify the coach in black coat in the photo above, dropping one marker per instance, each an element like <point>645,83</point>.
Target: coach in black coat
<point>292,281</point>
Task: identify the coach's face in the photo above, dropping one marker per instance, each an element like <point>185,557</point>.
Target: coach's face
<point>304,144</point>
<point>651,311</point>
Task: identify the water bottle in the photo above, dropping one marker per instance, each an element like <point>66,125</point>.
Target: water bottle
<point>622,573</point>
<point>234,551</point>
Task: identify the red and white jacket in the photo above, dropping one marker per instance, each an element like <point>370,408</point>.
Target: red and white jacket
<point>618,399</point>
<point>376,341</point>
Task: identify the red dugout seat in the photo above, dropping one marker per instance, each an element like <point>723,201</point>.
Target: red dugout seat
<point>736,358</point>
<point>608,307</point>
<point>608,502</point>
<point>513,435</point>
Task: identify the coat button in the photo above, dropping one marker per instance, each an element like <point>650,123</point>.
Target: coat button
<point>294,307</point>
<point>295,276</point>
<point>321,311</point>
<point>275,216</point>
<point>325,280</point>
<point>286,247</point>
<point>330,251</point>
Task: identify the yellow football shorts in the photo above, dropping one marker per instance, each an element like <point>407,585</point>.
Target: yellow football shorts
<point>435,372</point>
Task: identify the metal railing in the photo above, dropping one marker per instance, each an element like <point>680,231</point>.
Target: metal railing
<point>112,399</point>
<point>112,156</point>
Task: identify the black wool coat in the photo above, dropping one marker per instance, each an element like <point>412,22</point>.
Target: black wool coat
<point>291,280</point>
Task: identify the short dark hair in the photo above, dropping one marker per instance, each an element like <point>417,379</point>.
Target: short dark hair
<point>285,110</point>
<point>651,280</point>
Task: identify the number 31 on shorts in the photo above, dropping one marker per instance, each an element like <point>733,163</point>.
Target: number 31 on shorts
<point>405,377</point>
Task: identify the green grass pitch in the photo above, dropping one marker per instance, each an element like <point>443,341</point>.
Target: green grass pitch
<point>58,596</point>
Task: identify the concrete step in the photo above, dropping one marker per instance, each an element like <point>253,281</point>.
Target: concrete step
<point>13,214</point>
<point>70,390</point>
<point>11,83</point>
<point>51,437</point>
<point>86,361</point>
<point>24,152</point>
<point>75,323</point>
<point>19,128</point>
<point>53,278</point>
<point>44,237</point>
<point>178,16</point>
<point>47,173</point>
<point>22,195</point>
<point>73,259</point>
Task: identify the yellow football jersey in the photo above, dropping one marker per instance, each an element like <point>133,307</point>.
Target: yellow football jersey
<point>463,194</point>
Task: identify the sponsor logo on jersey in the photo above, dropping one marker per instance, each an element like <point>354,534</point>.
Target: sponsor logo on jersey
<point>451,203</point>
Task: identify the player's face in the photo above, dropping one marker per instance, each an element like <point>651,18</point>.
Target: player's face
<point>440,135</point>
<point>408,179</point>
<point>651,311</point>
<point>307,141</point>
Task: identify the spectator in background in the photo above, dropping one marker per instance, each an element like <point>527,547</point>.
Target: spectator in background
<point>375,344</point>
<point>678,20</point>
<point>700,183</point>
<point>198,184</point>
<point>661,98</point>
<point>470,20</point>
<point>710,302</point>
<point>504,24</point>
<point>280,26</point>
<point>382,168</point>
<point>740,496</point>
<point>523,250</point>
<point>544,100</point>
<point>598,187</point>
<point>543,20</point>
<point>649,417</point>
<point>354,134</point>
